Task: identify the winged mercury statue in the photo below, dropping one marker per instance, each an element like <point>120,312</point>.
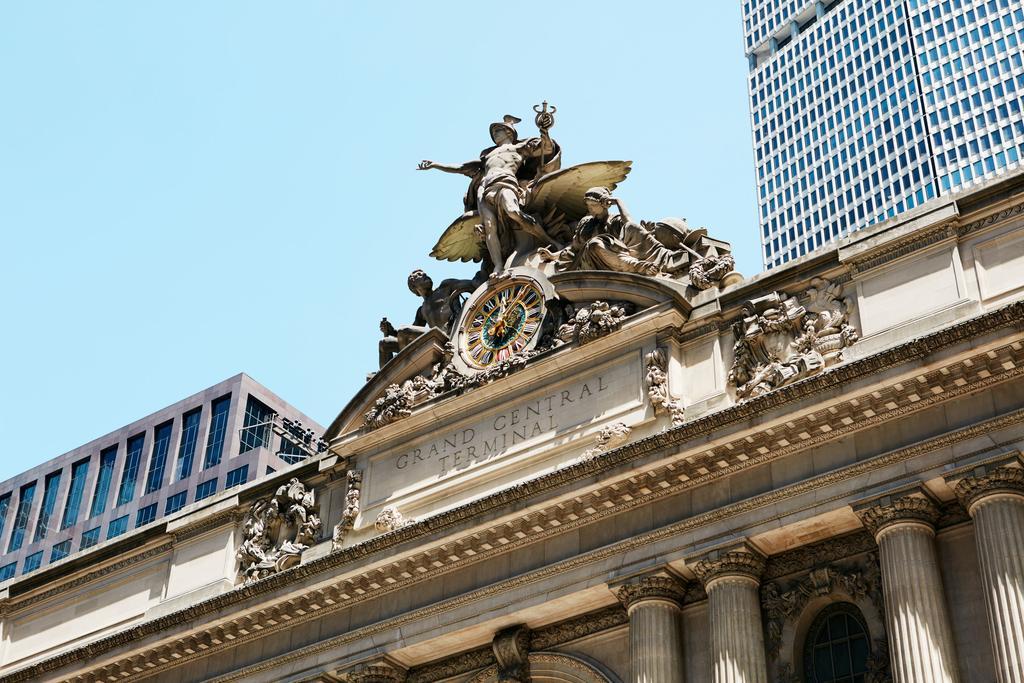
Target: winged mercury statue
<point>517,194</point>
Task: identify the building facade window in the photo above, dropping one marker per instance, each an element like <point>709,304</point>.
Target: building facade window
<point>145,515</point>
<point>130,471</point>
<point>5,503</point>
<point>117,526</point>
<point>25,498</point>
<point>8,571</point>
<point>837,647</point>
<point>90,538</point>
<point>236,477</point>
<point>218,429</point>
<point>256,425</point>
<point>176,502</point>
<point>108,456</point>
<point>60,550</point>
<point>206,489</point>
<point>289,452</point>
<point>187,445</point>
<point>158,461</point>
<point>74,500</point>
<point>32,562</point>
<point>50,487</point>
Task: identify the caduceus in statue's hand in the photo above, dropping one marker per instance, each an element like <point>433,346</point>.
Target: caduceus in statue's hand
<point>545,118</point>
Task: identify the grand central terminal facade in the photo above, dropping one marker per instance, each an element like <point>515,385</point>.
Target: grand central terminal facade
<point>612,458</point>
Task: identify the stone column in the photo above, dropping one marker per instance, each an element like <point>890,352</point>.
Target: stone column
<point>993,494</point>
<point>655,628</point>
<point>920,639</point>
<point>731,578</point>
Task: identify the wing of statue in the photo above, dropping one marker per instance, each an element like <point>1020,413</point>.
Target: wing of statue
<point>564,189</point>
<point>461,241</point>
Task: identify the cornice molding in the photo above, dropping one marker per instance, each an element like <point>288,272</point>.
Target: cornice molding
<point>990,220</point>
<point>897,249</point>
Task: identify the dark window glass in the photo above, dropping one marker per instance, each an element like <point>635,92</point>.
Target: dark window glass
<point>117,526</point>
<point>289,452</point>
<point>5,502</point>
<point>187,446</point>
<point>236,477</point>
<point>60,550</point>
<point>218,427</point>
<point>130,471</point>
<point>99,497</point>
<point>206,489</point>
<point>8,571</point>
<point>176,502</point>
<point>837,649</point>
<point>256,426</point>
<point>74,501</point>
<point>145,515</point>
<point>25,497</point>
<point>32,562</point>
<point>49,502</point>
<point>90,538</point>
<point>157,463</point>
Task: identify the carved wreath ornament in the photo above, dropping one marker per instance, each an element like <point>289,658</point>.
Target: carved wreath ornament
<point>780,341</point>
<point>276,530</point>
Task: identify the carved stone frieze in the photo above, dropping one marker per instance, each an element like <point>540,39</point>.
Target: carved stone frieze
<point>896,510</point>
<point>276,530</point>
<point>972,488</point>
<point>783,601</point>
<point>592,321</point>
<point>609,436</point>
<point>745,561</point>
<point>654,587</point>
<point>657,387</point>
<point>390,519</point>
<point>377,673</point>
<point>511,652</point>
<point>354,481</point>
<point>780,341</point>
<point>396,403</point>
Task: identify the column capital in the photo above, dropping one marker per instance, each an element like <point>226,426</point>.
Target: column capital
<point>912,505</point>
<point>741,559</point>
<point>656,586</point>
<point>1001,475</point>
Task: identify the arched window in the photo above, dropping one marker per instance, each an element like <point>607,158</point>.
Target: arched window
<point>837,646</point>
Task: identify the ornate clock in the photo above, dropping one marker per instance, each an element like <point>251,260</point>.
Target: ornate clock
<point>501,321</point>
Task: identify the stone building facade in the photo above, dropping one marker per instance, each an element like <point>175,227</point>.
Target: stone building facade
<point>811,474</point>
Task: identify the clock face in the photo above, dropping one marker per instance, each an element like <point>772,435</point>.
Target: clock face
<point>502,323</point>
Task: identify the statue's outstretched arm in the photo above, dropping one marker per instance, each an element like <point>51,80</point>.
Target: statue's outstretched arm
<point>470,168</point>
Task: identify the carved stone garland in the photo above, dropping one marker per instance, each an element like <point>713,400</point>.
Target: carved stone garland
<point>584,324</point>
<point>354,480</point>
<point>609,436</point>
<point>780,341</point>
<point>592,321</point>
<point>784,605</point>
<point>390,519</point>
<point>276,530</point>
<point>657,387</point>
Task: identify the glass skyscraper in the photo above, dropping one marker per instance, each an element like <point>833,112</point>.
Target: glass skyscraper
<point>862,109</point>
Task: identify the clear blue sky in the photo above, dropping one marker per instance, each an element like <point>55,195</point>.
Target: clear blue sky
<point>193,189</point>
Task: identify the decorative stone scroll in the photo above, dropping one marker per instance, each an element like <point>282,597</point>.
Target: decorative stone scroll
<point>390,519</point>
<point>609,436</point>
<point>906,508</point>
<point>592,321</point>
<point>657,387</point>
<point>377,673</point>
<point>972,488</point>
<point>354,481</point>
<point>779,341</point>
<point>511,651</point>
<point>276,530</point>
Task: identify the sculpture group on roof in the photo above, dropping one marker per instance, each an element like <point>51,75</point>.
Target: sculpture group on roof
<point>522,208</point>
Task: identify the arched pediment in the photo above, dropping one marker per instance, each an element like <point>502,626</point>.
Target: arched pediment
<point>415,359</point>
<point>585,286</point>
<point>555,667</point>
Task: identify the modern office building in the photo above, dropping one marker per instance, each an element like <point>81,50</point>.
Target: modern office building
<point>220,438</point>
<point>862,109</point>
